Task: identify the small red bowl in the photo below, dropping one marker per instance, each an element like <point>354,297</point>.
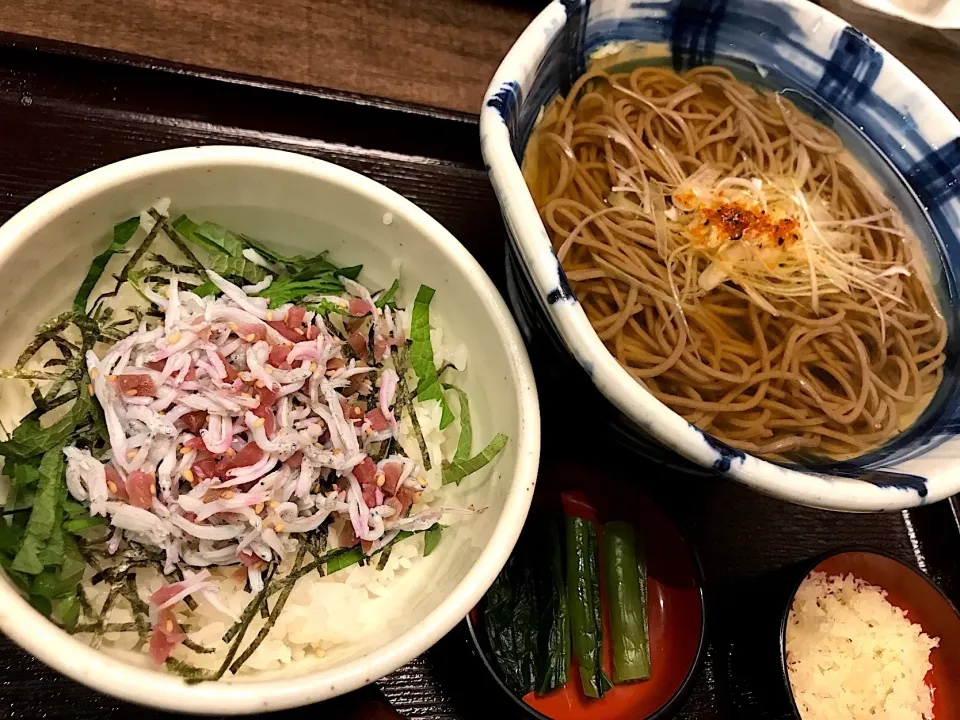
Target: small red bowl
<point>925,605</point>
<point>677,611</point>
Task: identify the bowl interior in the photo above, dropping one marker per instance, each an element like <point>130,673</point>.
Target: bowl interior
<point>675,605</point>
<point>300,205</point>
<point>924,605</point>
<point>890,122</point>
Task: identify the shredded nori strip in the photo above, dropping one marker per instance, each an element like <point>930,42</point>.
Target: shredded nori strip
<point>52,328</point>
<point>189,601</point>
<point>405,401</point>
<point>187,671</point>
<point>85,606</point>
<point>277,609</point>
<point>177,239</point>
<point>105,628</point>
<point>295,575</point>
<point>197,647</point>
<point>114,573</point>
<point>45,406</point>
<point>131,264</point>
<point>141,611</point>
<point>240,626</point>
<point>100,622</point>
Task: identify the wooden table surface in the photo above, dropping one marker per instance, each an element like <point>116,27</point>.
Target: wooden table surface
<point>432,52</point>
<point>73,114</point>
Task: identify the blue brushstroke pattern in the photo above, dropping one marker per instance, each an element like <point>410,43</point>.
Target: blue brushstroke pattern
<point>938,173</point>
<point>886,478</point>
<point>693,37</point>
<point>851,71</point>
<point>766,33</point>
<point>572,39</point>
<point>563,291</point>
<point>726,454</point>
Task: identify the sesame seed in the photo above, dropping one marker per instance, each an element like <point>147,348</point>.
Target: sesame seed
<point>246,395</point>
<point>420,479</point>
<point>269,315</point>
<point>169,625</point>
<point>112,487</point>
<point>228,495</point>
<point>233,326</point>
<point>258,509</point>
<point>231,452</point>
<point>381,479</point>
<point>174,339</point>
<point>268,369</point>
<point>337,451</point>
<point>161,412</point>
<point>357,411</point>
<point>279,527</point>
<point>313,367</point>
<point>298,331</point>
<point>188,474</point>
<point>131,392</point>
<point>184,450</point>
<point>416,498</point>
<point>93,373</point>
<point>131,454</point>
<point>153,488</point>
<point>368,431</point>
<point>260,384</point>
<point>251,337</point>
<point>273,504</point>
<point>259,423</point>
<point>112,378</point>
<point>90,388</point>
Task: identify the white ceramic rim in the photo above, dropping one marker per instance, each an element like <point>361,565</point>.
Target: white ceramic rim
<point>39,636</point>
<point>821,491</point>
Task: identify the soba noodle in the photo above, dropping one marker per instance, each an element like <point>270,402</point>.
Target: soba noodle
<point>736,261</point>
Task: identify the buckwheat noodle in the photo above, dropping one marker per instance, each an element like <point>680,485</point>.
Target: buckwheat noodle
<point>736,261</point>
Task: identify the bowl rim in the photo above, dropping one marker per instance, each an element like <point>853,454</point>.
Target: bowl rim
<point>808,566</point>
<point>39,636</point>
<point>699,658</point>
<point>813,489</point>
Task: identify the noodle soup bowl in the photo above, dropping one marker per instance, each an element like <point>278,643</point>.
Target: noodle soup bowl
<point>895,128</point>
<point>295,204</point>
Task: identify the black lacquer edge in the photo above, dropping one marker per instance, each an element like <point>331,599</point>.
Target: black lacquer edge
<point>132,83</point>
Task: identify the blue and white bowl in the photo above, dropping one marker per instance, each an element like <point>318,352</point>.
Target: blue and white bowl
<point>892,123</point>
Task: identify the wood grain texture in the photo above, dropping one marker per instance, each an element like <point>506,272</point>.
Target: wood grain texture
<point>440,54</point>
<point>62,115</point>
<point>423,51</point>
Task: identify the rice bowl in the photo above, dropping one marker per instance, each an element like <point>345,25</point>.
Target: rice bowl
<point>280,197</point>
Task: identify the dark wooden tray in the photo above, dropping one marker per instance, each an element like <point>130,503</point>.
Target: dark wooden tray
<point>65,110</point>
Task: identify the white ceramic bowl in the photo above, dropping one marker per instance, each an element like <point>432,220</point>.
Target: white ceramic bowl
<point>301,204</point>
<point>894,125</point>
